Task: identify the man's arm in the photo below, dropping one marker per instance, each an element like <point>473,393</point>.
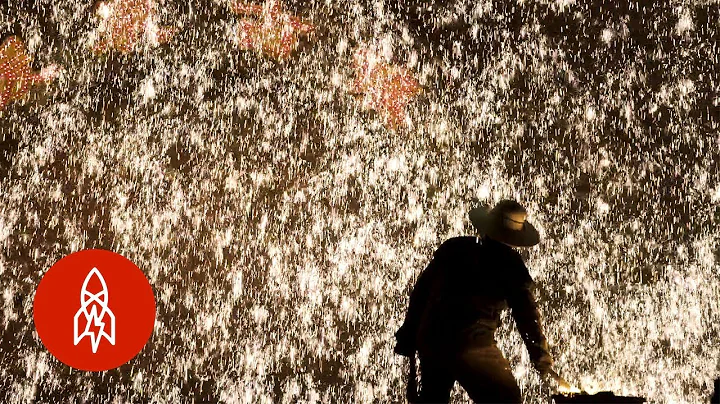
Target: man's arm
<point>419,297</point>
<point>527,318</point>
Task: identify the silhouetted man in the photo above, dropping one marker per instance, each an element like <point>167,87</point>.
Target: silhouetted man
<point>455,308</point>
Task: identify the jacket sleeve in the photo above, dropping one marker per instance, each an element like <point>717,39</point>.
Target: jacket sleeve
<point>406,336</point>
<point>521,301</point>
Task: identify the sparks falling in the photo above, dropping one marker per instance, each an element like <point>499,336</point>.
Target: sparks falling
<point>282,222</point>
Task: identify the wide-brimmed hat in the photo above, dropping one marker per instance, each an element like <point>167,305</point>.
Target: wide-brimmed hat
<point>505,222</point>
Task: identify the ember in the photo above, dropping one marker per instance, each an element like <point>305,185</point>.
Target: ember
<point>275,32</point>
<point>386,87</point>
<point>16,75</point>
<point>125,24</point>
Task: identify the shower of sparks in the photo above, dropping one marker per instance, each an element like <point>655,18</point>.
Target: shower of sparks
<point>385,87</point>
<point>275,33</point>
<point>127,24</point>
<point>16,75</point>
<point>282,226</point>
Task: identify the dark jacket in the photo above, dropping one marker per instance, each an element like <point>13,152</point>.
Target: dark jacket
<point>457,300</point>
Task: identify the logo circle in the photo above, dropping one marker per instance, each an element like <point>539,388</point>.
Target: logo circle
<point>94,310</point>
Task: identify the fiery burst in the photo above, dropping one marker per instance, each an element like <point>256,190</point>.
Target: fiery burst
<point>127,24</point>
<point>273,32</point>
<point>16,75</point>
<point>384,87</point>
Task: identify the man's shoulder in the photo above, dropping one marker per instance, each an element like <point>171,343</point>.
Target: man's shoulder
<point>460,243</point>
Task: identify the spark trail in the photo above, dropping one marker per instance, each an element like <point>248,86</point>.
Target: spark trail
<point>281,223</point>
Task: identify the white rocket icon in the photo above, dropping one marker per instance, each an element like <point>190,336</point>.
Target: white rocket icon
<point>93,318</point>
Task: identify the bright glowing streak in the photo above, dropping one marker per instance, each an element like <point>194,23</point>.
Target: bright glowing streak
<point>282,223</point>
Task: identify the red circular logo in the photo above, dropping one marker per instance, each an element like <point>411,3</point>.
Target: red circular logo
<point>94,310</point>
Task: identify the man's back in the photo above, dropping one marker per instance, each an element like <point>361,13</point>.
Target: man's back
<point>470,280</point>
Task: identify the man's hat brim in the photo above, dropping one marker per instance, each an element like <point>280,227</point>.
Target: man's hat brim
<point>490,224</point>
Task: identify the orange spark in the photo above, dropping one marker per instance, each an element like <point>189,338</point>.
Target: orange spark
<point>275,32</point>
<point>16,76</point>
<point>124,24</point>
<point>387,88</point>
